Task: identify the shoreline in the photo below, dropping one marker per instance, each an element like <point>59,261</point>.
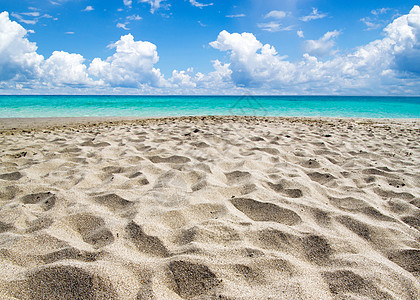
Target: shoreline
<point>41,123</point>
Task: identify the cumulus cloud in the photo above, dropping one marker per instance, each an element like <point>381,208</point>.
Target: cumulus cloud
<point>182,79</point>
<point>322,46</point>
<point>252,63</point>
<point>18,57</point>
<point>128,2</point>
<point>63,68</point>
<point>313,16</point>
<point>387,65</point>
<point>132,65</point>
<point>300,33</point>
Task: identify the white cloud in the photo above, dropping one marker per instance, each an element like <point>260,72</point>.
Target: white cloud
<point>131,66</point>
<point>389,65</point>
<point>274,27</point>
<point>300,33</point>
<point>88,8</point>
<point>370,24</point>
<point>198,4</point>
<point>32,14</point>
<point>377,20</point>
<point>276,14</point>
<point>271,26</point>
<point>134,18</point>
<point>252,63</point>
<point>380,11</point>
<point>69,32</point>
<point>322,46</point>
<point>18,57</point>
<point>128,2</point>
<point>123,26</point>
<point>154,4</point>
<point>23,20</point>
<point>313,16</point>
<point>386,66</point>
<point>182,79</point>
<point>236,16</point>
<point>63,68</point>
<point>30,18</point>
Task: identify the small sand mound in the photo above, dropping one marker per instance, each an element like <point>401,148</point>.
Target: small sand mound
<point>263,211</point>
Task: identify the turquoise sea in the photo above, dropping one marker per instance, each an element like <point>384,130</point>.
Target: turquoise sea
<point>154,106</point>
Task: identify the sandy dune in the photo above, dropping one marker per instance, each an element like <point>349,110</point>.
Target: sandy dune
<point>210,208</point>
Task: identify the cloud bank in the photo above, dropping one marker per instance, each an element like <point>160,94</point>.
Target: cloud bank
<point>386,66</point>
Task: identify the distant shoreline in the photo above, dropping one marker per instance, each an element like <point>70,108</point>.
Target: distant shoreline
<point>34,124</point>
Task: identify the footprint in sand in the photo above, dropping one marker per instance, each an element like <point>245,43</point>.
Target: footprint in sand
<point>11,176</point>
<point>175,159</point>
<point>69,253</point>
<point>236,177</point>
<point>193,280</point>
<point>113,202</point>
<point>316,248</point>
<point>408,259</point>
<point>46,200</point>
<point>321,178</point>
<point>144,242</point>
<point>292,193</point>
<point>92,229</point>
<point>66,282</point>
<point>345,282</point>
<point>264,211</point>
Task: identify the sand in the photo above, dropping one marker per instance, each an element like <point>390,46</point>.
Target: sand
<point>209,208</point>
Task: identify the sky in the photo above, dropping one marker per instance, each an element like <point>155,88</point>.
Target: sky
<point>273,47</point>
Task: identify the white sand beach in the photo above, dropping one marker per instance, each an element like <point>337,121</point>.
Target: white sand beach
<point>209,208</point>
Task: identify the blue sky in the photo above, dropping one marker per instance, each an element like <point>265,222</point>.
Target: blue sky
<point>205,47</point>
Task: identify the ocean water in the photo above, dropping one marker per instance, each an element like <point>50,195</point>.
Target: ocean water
<point>156,106</point>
